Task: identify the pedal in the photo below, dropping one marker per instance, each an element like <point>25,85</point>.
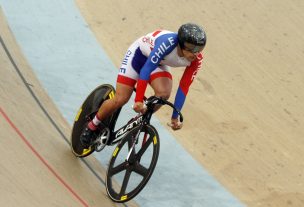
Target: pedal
<point>102,139</point>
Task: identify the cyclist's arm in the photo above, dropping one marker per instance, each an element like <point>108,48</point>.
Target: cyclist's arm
<point>184,84</point>
<point>163,46</point>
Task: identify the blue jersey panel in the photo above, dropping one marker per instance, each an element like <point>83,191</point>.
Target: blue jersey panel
<point>164,44</point>
<point>179,101</point>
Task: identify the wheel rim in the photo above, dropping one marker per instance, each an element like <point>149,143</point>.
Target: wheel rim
<point>126,179</point>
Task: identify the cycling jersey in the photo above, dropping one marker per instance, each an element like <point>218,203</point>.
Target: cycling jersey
<point>150,57</point>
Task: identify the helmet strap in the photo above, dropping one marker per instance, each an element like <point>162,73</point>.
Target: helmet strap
<point>180,51</point>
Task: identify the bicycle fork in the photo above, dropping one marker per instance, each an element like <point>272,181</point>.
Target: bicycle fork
<point>134,143</point>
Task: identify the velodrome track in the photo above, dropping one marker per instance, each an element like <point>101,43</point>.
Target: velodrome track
<point>204,189</point>
<point>244,113</point>
<point>37,167</point>
<point>249,134</point>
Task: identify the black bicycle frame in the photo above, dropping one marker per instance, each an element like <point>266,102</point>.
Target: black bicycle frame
<point>117,135</point>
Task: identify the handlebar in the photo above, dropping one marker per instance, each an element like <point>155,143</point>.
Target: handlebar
<point>153,100</point>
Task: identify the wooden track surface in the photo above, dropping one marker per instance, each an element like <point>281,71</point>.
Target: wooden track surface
<point>244,117</point>
<point>37,167</point>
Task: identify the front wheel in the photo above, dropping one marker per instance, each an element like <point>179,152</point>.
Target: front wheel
<point>125,179</point>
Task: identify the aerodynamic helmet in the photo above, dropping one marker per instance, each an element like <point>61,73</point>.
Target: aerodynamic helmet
<point>193,34</point>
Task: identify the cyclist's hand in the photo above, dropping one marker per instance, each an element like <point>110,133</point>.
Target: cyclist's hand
<point>176,124</point>
<point>139,107</point>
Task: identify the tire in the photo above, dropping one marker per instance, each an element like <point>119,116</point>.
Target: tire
<point>87,112</point>
<point>139,168</point>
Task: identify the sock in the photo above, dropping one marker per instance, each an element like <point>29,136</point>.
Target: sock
<point>94,123</point>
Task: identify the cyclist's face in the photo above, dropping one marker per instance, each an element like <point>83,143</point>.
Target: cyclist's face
<point>191,51</point>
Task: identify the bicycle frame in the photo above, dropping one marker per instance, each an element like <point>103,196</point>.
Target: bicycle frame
<point>117,135</point>
<point>140,119</point>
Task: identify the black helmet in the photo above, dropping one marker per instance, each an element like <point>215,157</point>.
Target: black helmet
<point>193,34</point>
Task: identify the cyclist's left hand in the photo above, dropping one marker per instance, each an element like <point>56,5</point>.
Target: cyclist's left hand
<point>139,107</point>
<point>176,124</point>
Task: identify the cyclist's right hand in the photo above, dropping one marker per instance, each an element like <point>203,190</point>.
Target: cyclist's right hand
<point>175,124</point>
<point>139,107</point>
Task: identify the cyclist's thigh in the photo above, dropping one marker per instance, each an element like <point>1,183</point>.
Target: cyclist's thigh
<point>123,93</point>
<point>127,76</point>
<point>131,65</point>
<point>161,82</point>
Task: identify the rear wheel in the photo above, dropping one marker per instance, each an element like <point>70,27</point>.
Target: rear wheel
<point>86,113</point>
<point>125,179</point>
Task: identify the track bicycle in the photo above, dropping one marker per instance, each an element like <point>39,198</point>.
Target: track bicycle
<point>136,153</point>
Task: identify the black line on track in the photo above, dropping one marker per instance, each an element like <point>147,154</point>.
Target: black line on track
<point>27,85</point>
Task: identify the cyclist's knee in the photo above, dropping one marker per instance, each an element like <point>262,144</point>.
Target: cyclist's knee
<point>120,101</point>
<point>163,94</point>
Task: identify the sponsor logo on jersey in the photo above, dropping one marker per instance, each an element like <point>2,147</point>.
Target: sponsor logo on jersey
<point>148,40</point>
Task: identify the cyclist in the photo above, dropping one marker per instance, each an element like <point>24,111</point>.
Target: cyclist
<point>147,61</point>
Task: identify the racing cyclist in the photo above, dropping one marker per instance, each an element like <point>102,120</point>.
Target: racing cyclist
<point>147,61</point>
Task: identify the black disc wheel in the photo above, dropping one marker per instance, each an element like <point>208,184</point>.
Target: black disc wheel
<point>87,112</point>
<point>129,171</point>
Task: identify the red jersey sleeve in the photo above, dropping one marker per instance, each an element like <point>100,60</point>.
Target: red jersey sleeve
<point>185,82</point>
<point>190,73</point>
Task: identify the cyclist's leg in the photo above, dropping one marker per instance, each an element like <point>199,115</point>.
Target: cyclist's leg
<point>122,96</point>
<point>126,81</point>
<point>161,82</point>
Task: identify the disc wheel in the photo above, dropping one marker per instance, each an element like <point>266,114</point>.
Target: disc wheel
<point>125,179</point>
<point>86,113</point>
